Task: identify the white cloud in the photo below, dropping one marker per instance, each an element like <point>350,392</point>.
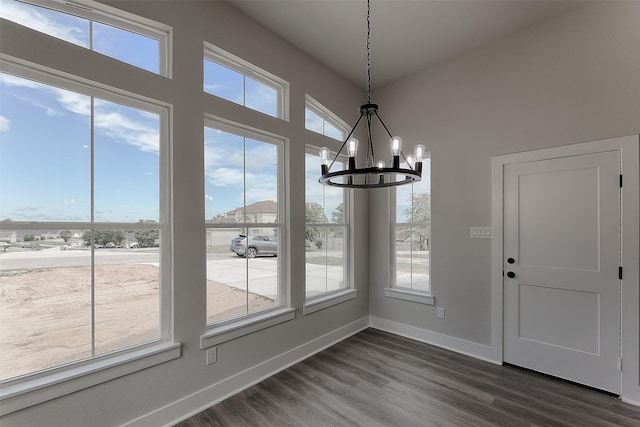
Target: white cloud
<point>120,127</point>
<point>125,128</point>
<point>44,21</point>
<point>74,102</point>
<point>225,177</point>
<point>5,124</point>
<point>70,101</point>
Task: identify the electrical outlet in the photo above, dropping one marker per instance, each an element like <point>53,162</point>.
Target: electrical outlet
<point>212,355</point>
<point>440,312</point>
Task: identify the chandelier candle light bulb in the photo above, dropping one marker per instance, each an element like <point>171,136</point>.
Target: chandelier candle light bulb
<point>324,159</point>
<point>352,149</point>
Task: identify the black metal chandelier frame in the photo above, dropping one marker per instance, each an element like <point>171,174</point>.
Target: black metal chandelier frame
<point>373,175</point>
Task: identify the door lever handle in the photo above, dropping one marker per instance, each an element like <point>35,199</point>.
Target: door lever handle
<point>511,274</point>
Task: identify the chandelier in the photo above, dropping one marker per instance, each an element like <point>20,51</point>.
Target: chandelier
<point>374,174</point>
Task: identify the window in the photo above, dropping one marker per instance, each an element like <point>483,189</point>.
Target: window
<point>320,120</point>
<point>236,80</point>
<point>244,221</point>
<point>411,235</point>
<point>84,199</point>
<point>326,232</point>
<point>117,34</point>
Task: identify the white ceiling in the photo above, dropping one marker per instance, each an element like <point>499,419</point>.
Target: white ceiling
<point>406,35</point>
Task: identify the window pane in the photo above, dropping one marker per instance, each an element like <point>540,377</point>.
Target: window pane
<point>329,199</point>
<point>223,176</point>
<point>46,157</point>
<point>312,121</point>
<point>413,233</point>
<point>45,300</point>
<point>135,49</point>
<point>223,82</point>
<point>241,188</point>
<point>412,257</point>
<point>57,24</point>
<point>261,182</point>
<point>324,260</point>
<point>332,132</point>
<point>261,97</point>
<point>127,283</point>
<point>236,283</point>
<point>127,146</point>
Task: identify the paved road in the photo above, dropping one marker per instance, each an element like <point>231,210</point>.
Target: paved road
<point>52,258</point>
<point>228,269</point>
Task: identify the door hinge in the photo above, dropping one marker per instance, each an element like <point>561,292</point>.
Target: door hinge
<point>620,180</point>
<point>620,273</point>
<point>619,364</point>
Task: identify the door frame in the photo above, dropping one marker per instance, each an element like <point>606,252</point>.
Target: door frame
<point>628,146</point>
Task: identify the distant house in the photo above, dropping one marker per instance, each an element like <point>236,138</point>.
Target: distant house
<point>265,211</point>
<point>8,236</point>
<point>411,240</point>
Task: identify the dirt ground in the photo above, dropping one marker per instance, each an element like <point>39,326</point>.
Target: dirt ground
<point>45,315</point>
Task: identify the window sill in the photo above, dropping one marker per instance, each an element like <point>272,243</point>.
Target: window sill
<point>410,295</point>
<point>34,389</point>
<point>245,326</point>
<point>325,301</point>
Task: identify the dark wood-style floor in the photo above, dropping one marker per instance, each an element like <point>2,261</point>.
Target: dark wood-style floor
<point>379,379</point>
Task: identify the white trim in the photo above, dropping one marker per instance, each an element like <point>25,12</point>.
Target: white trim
<point>410,295</point>
<point>74,83</point>
<point>468,348</point>
<point>245,68</point>
<point>245,131</point>
<point>328,300</point>
<point>245,325</point>
<point>314,304</point>
<point>326,115</point>
<point>32,390</point>
<point>204,398</point>
<point>222,329</point>
<point>630,310</point>
<point>393,272</point>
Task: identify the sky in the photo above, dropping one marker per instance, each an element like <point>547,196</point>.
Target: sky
<point>238,171</point>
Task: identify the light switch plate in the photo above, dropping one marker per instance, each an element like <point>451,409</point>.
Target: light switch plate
<point>481,233</point>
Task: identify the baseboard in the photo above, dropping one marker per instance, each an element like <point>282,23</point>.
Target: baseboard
<point>630,401</point>
<point>469,348</point>
<point>202,399</point>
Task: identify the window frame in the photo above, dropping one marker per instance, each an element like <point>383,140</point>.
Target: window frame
<point>348,292</point>
<point>327,117</point>
<point>247,69</point>
<point>101,13</point>
<point>347,201</point>
<point>29,389</point>
<point>235,327</point>
<point>395,291</point>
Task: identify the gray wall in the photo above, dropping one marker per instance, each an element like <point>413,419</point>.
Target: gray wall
<point>571,79</point>
<point>126,398</point>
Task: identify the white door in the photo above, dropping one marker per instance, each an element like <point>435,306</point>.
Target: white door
<point>561,259</point>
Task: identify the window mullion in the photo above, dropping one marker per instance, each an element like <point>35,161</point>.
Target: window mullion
<point>244,213</point>
<point>93,245</point>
